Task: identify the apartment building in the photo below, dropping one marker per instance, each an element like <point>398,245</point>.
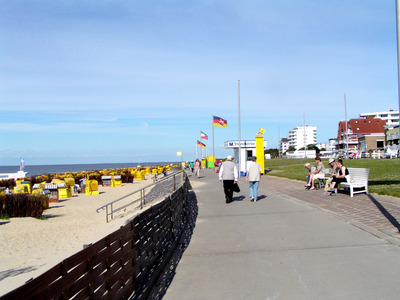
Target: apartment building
<point>391,117</point>
<point>283,145</point>
<point>301,136</point>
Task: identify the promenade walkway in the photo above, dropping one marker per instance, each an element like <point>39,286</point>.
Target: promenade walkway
<point>291,244</point>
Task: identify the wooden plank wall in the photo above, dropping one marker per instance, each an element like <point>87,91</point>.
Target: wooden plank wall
<point>125,264</point>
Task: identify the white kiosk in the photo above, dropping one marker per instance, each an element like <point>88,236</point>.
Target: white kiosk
<point>247,150</point>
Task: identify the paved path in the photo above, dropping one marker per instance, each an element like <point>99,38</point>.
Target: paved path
<point>288,245</point>
<point>381,213</point>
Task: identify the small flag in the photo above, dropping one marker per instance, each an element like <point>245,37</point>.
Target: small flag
<point>262,131</point>
<point>203,135</point>
<point>22,164</point>
<point>219,122</point>
<point>179,153</point>
<point>200,144</point>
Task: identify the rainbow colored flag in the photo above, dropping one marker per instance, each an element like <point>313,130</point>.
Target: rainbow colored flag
<point>200,144</point>
<point>22,165</point>
<point>203,135</point>
<point>219,122</point>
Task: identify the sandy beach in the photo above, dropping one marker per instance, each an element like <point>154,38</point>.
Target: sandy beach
<point>29,246</point>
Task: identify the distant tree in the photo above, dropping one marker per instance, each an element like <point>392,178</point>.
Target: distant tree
<point>274,152</point>
<point>313,147</point>
<point>291,148</point>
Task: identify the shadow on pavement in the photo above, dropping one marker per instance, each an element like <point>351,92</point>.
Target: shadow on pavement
<point>239,198</point>
<point>169,272</point>
<point>383,210</point>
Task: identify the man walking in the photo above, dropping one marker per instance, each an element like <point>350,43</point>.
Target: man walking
<point>228,174</point>
<point>253,175</point>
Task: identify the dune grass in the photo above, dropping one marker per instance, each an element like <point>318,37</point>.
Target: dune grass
<point>384,174</point>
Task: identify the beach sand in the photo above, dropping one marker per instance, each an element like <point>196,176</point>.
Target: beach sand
<point>29,246</point>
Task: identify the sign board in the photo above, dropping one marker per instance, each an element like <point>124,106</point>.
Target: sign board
<point>243,144</point>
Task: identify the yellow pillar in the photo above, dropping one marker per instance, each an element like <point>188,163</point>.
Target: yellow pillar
<point>260,151</point>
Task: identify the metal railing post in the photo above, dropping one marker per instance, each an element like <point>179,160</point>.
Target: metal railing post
<point>110,210</point>
<point>141,199</point>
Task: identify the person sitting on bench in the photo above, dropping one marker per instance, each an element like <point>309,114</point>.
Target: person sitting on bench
<point>319,172</point>
<point>339,177</point>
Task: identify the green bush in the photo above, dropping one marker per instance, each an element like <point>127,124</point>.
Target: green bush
<point>21,205</point>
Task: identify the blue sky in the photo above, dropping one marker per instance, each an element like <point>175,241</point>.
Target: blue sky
<point>136,81</point>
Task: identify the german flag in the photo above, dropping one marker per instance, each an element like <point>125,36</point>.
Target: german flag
<point>200,144</point>
<point>219,122</point>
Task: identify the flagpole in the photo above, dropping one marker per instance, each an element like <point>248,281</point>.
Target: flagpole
<point>212,125</point>
<point>197,147</point>
<point>240,166</point>
<point>206,166</point>
<point>347,133</point>
<point>398,52</point>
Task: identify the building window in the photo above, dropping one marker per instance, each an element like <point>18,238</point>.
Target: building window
<point>380,144</point>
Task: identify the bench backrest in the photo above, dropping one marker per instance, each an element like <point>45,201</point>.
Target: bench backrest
<point>358,175</point>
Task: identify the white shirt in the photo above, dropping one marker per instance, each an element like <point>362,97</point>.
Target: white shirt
<point>235,173</point>
<point>253,171</point>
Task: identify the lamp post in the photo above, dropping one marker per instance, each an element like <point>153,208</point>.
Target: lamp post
<point>398,50</point>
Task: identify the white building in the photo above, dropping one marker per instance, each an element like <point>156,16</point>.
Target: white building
<point>332,145</point>
<point>301,154</point>
<point>283,145</point>
<point>330,149</point>
<point>302,136</point>
<point>391,117</point>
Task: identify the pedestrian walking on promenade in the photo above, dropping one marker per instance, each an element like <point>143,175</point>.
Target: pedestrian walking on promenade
<point>228,174</point>
<point>197,166</point>
<point>253,175</point>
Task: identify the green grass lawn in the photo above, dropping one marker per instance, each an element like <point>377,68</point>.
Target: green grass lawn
<point>384,174</point>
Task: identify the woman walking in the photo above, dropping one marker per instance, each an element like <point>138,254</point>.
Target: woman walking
<point>197,166</point>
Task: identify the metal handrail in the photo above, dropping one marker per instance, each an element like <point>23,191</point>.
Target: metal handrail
<point>142,197</point>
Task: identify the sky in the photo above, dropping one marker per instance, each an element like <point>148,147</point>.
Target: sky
<point>136,81</point>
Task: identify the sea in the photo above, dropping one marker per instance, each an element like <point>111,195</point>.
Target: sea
<point>34,170</point>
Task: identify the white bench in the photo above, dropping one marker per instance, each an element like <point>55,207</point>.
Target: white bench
<point>390,154</point>
<point>358,179</point>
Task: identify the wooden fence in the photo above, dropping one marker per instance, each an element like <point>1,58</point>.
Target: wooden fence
<point>123,265</point>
